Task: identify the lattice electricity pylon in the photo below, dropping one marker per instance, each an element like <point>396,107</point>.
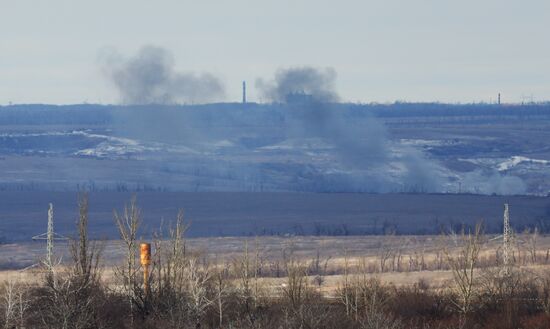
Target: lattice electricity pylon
<point>508,239</point>
<point>50,236</point>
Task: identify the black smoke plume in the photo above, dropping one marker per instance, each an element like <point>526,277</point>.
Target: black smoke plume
<point>317,83</point>
<point>149,77</point>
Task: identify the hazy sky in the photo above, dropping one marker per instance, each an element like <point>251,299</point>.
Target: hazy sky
<point>439,50</point>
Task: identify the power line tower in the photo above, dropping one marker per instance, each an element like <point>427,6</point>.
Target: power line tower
<point>507,241</point>
<point>49,236</point>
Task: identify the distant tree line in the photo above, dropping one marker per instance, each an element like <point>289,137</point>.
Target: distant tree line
<point>253,113</point>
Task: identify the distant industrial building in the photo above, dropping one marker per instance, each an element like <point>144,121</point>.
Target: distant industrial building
<point>298,98</point>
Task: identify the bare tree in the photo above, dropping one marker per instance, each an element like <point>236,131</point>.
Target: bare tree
<point>345,288</point>
<point>86,255</point>
<point>301,307</point>
<point>387,251</point>
<point>416,257</point>
<point>197,278</point>
<point>296,285</point>
<point>257,271</point>
<point>366,299</point>
<point>244,274</point>
<point>319,268</point>
<point>14,304</point>
<point>173,274</point>
<point>398,256</point>
<point>222,289</point>
<point>9,302</point>
<point>169,288</point>
<point>462,261</point>
<point>532,244</point>
<point>128,224</point>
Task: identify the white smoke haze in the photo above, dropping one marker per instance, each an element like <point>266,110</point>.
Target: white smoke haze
<point>149,77</point>
<point>493,182</point>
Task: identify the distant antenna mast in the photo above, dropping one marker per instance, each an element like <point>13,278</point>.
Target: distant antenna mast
<point>49,236</point>
<point>507,241</point>
<point>244,92</point>
<point>498,98</point>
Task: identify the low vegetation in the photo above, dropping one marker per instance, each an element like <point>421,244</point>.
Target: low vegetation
<point>188,289</point>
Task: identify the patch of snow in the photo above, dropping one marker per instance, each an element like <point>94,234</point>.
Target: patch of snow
<point>121,140</point>
<point>302,144</point>
<point>106,149</point>
<point>220,143</point>
<point>422,142</point>
<point>516,160</point>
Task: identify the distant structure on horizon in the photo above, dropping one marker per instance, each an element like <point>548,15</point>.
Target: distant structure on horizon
<point>498,98</point>
<point>244,92</point>
<point>298,98</point>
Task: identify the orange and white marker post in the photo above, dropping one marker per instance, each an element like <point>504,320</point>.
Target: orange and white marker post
<point>145,256</point>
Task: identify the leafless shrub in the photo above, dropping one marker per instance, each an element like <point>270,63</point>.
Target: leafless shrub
<point>418,302</point>
<point>379,320</point>
<point>544,293</point>
<point>366,301</point>
<point>511,293</point>
<point>301,303</point>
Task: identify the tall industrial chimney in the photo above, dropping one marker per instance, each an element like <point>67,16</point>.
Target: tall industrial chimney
<point>145,257</point>
<point>244,92</point>
<point>498,98</point>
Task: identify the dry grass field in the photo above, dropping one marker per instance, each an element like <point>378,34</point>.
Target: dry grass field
<point>396,260</point>
<point>453,280</point>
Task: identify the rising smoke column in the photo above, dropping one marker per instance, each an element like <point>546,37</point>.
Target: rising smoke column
<point>370,160</point>
<point>360,143</point>
<point>319,83</point>
<point>149,77</point>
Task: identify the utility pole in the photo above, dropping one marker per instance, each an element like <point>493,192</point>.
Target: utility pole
<point>507,241</point>
<point>49,243</point>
